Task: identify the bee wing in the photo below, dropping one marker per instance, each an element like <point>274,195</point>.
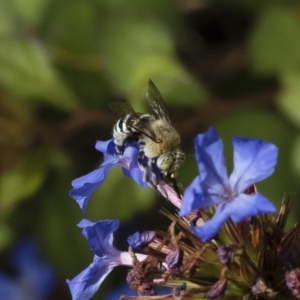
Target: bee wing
<point>156,102</point>
<point>121,109</point>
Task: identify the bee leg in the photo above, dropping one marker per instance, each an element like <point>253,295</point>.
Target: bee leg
<point>152,164</point>
<point>120,144</point>
<point>148,169</point>
<point>176,186</point>
<point>159,188</point>
<point>119,149</point>
<point>144,168</point>
<point>141,159</point>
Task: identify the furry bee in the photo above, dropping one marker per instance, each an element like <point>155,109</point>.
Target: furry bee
<point>159,142</point>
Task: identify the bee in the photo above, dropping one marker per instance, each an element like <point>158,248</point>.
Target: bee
<point>158,141</point>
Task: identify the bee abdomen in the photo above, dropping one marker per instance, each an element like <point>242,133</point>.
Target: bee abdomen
<point>125,129</point>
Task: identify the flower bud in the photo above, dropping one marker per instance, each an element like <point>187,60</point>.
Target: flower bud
<point>130,277</point>
<point>140,240</point>
<point>293,281</point>
<point>226,254</point>
<point>218,289</point>
<point>259,287</point>
<point>174,258</point>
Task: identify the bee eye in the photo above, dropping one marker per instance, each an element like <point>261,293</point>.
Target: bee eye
<point>165,162</point>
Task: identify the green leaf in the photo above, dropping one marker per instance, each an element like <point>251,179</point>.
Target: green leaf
<point>296,157</point>
<point>23,180</point>
<point>288,101</point>
<point>257,4</point>
<point>6,236</point>
<point>32,11</point>
<point>175,85</point>
<point>275,43</point>
<point>119,197</point>
<point>126,42</point>
<point>189,169</point>
<point>7,20</point>
<point>58,215</point>
<point>73,26</point>
<point>165,10</point>
<point>151,57</point>
<point>26,70</point>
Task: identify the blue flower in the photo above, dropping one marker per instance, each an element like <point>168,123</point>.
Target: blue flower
<point>34,280</point>
<point>100,239</point>
<point>254,160</point>
<point>85,186</point>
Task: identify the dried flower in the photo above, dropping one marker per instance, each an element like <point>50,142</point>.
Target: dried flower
<point>293,281</point>
<point>218,289</point>
<point>249,257</point>
<point>226,254</point>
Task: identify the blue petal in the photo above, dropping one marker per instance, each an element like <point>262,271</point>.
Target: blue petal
<point>134,172</point>
<point>100,236</point>
<point>129,160</point>
<point>87,283</point>
<point>106,147</point>
<point>245,206</point>
<point>85,222</point>
<point>211,162</point>
<point>208,189</point>
<point>24,254</point>
<point>17,289</point>
<point>135,240</point>
<point>137,175</point>
<point>194,197</point>
<point>212,227</point>
<point>8,287</point>
<point>254,160</point>
<point>191,198</point>
<point>41,277</point>
<point>86,185</point>
<point>25,259</point>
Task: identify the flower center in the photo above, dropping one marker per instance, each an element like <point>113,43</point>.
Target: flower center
<point>228,195</point>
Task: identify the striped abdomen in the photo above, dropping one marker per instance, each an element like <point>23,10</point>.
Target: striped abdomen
<point>124,130</point>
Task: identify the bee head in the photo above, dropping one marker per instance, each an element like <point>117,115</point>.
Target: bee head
<point>171,162</point>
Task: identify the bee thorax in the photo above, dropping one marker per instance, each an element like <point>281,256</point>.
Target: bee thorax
<point>167,136</point>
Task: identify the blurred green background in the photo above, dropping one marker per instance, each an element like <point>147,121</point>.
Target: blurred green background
<point>231,64</point>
